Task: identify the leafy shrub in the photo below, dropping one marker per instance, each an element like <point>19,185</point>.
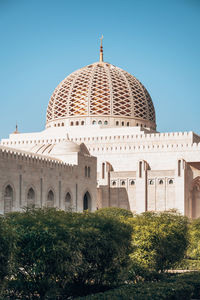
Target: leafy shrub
<point>139,273</point>
<point>189,264</point>
<point>106,248</point>
<point>146,291</point>
<point>159,239</point>
<point>194,234</point>
<point>114,212</point>
<point>65,253</point>
<point>48,251</point>
<point>191,278</point>
<point>6,246</point>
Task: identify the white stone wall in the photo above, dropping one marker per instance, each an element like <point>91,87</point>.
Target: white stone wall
<point>23,171</point>
<point>121,150</point>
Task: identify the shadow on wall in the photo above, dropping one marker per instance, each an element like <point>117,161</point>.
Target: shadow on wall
<point>113,197</point>
<point>119,197</point>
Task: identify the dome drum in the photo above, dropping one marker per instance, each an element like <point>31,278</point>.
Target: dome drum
<point>102,121</point>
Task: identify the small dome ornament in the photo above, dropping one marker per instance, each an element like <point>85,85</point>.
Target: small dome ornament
<point>101,50</point>
<point>16,129</point>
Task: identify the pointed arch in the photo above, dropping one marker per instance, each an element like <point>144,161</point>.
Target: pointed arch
<point>68,201</point>
<point>50,198</point>
<point>195,198</point>
<point>8,198</point>
<point>30,197</point>
<point>87,201</point>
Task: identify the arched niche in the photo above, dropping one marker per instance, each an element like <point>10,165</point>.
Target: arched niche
<point>30,197</point>
<point>68,201</point>
<point>50,199</point>
<point>87,201</point>
<point>8,199</point>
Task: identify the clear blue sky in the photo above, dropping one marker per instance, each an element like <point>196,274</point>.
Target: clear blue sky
<point>43,41</point>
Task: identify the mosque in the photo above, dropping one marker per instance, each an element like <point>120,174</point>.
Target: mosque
<point>100,148</point>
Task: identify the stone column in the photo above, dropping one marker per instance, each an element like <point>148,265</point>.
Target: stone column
<point>180,185</point>
<point>141,186</point>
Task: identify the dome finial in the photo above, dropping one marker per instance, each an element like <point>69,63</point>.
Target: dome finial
<point>101,50</point>
<point>16,129</point>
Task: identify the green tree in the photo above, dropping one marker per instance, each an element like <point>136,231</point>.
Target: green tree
<point>6,246</point>
<point>194,235</point>
<point>47,251</point>
<point>114,212</point>
<point>64,253</point>
<point>106,248</point>
<point>159,240</point>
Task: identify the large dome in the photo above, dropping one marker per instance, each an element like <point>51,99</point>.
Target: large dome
<point>101,93</point>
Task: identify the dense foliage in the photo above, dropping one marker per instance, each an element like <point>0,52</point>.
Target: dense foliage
<point>159,240</point>
<point>173,286</point>
<point>115,212</point>
<point>48,251</point>
<point>194,232</point>
<point>6,247</point>
<point>52,254</point>
<point>147,291</point>
<point>60,252</point>
<point>191,278</point>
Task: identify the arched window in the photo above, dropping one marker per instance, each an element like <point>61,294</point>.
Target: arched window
<point>127,124</point>
<point>171,181</point>
<point>62,124</point>
<point>82,122</point>
<point>86,171</point>
<point>105,122</point>
<point>94,122</point>
<point>103,170</point>
<point>71,123</point>
<point>114,183</point>
<point>50,199</point>
<point>77,123</point>
<point>123,183</point>
<point>8,199</point>
<point>132,182</point>
<point>87,201</point>
<point>30,197</point>
<point>151,182</point>
<point>68,201</point>
<point>117,123</point>
<point>122,123</point>
<point>100,122</point>
<point>160,181</point>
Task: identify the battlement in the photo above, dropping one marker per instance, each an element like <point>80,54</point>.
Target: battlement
<point>25,156</point>
<point>138,142</point>
<point>153,137</point>
<point>143,148</point>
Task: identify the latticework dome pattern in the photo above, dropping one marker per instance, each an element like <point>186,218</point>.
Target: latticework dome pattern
<point>100,89</point>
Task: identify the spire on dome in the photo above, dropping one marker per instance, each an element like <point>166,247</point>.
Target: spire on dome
<point>16,129</point>
<point>101,50</point>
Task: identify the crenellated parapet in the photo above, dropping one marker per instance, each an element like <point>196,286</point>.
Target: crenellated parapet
<point>28,157</point>
<point>159,138</point>
<point>129,148</point>
<point>107,137</point>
